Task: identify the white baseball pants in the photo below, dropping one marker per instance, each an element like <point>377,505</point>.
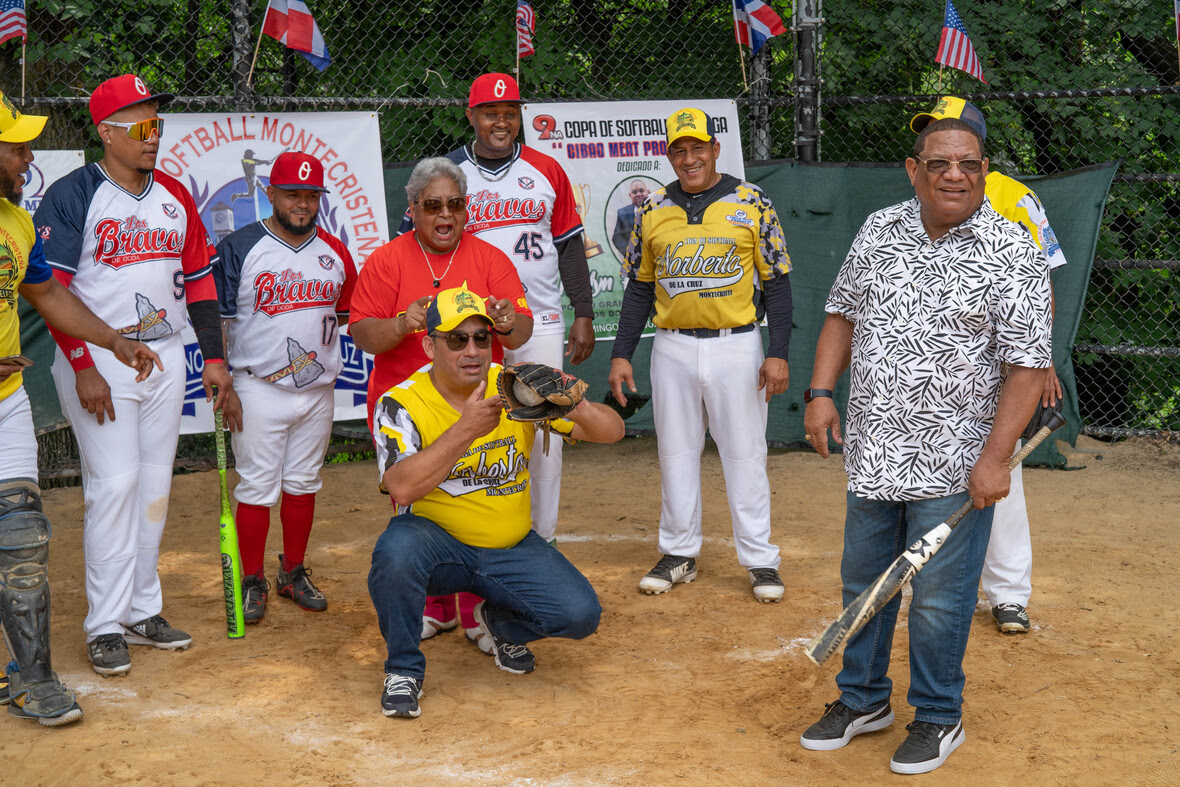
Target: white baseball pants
<point>283,439</point>
<point>18,457</point>
<point>712,383</point>
<point>544,471</point>
<point>126,480</point>
<point>1007,569</point>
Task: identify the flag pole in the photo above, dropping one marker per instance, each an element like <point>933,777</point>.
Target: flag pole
<point>940,80</point>
<point>257,46</point>
<point>24,42</point>
<point>516,43</point>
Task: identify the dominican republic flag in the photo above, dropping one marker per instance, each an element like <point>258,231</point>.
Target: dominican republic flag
<point>12,20</point>
<point>526,25</point>
<point>755,23</point>
<point>954,49</point>
<point>290,22</point>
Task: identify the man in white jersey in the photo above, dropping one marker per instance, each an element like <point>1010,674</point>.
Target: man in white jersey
<point>1007,569</point>
<point>284,287</point>
<point>128,241</point>
<point>520,201</point>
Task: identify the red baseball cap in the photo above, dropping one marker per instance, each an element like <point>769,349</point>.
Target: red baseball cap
<point>119,93</point>
<point>490,88</point>
<point>295,170</point>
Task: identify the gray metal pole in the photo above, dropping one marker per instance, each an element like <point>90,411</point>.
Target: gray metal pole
<point>241,32</point>
<point>759,111</point>
<point>808,23</point>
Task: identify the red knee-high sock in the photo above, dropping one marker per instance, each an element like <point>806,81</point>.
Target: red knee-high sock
<point>253,523</point>
<point>296,513</point>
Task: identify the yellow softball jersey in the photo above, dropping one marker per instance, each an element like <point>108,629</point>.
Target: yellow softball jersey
<point>707,253</point>
<point>484,500</point>
<point>21,259</point>
<point>1016,202</point>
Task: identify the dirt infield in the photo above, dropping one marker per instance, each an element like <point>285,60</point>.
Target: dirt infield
<point>701,686</point>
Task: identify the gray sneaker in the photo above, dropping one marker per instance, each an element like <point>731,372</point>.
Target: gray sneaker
<point>297,586</point>
<point>108,654</point>
<point>156,632</point>
<point>255,589</point>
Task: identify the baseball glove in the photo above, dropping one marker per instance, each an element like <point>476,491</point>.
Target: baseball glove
<point>536,392</point>
<point>1044,416</point>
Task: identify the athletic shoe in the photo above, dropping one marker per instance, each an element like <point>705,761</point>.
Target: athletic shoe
<point>1011,618</point>
<point>840,724</point>
<point>480,640</point>
<point>156,632</point>
<point>668,572</point>
<point>49,702</point>
<point>297,586</point>
<point>767,586</point>
<point>439,616</point>
<point>927,746</point>
<point>517,659</point>
<point>400,696</point>
<point>255,589</point>
<point>108,654</point>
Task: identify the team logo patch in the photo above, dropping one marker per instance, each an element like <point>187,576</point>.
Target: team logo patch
<point>170,210</point>
<point>525,183</point>
<point>45,232</point>
<point>685,120</point>
<point>152,323</point>
<point>303,368</point>
<point>465,303</point>
<point>327,261</point>
<point>740,218</point>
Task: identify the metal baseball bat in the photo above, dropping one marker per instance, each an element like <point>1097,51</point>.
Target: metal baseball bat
<point>231,559</point>
<point>874,598</point>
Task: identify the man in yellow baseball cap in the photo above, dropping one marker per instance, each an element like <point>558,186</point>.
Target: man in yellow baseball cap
<point>15,127</point>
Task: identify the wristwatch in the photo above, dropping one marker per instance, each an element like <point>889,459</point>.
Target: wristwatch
<point>815,393</point>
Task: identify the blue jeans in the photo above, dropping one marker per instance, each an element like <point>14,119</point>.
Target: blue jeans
<point>531,590</point>
<point>945,591</point>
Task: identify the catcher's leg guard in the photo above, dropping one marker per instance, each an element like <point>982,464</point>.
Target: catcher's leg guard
<point>34,689</point>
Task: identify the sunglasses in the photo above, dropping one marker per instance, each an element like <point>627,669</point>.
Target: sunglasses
<point>143,130</point>
<point>457,340</point>
<point>937,166</point>
<point>433,205</point>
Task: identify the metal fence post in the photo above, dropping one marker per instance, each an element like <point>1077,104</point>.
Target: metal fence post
<point>759,110</point>
<point>240,29</point>
<point>807,22</point>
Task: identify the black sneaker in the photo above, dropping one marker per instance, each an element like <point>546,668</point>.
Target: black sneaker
<point>255,589</point>
<point>1011,618</point>
<point>927,746</point>
<point>669,571</point>
<point>840,724</point>
<point>156,632</point>
<point>108,654</point>
<point>297,586</point>
<point>766,584</point>
<point>510,658</point>
<point>400,696</point>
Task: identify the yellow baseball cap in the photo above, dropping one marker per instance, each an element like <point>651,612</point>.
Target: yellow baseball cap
<point>690,122</point>
<point>951,107</point>
<point>15,127</point>
<point>452,307</point>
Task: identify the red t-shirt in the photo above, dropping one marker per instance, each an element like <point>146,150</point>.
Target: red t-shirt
<point>396,275</point>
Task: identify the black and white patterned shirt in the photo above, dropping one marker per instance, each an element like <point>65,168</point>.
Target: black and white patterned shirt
<point>934,324</point>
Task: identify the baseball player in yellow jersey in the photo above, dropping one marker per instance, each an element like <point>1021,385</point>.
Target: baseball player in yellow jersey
<point>1007,570</point>
<point>31,688</point>
<point>708,251</point>
<point>458,470</point>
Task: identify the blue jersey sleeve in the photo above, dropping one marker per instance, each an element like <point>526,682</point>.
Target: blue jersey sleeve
<point>38,269</point>
<point>61,218</point>
<point>231,256</point>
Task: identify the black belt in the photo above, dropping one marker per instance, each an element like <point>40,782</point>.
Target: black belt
<point>713,333</point>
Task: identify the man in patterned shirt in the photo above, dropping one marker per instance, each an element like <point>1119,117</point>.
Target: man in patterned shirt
<point>708,251</point>
<point>459,471</point>
<point>935,296</point>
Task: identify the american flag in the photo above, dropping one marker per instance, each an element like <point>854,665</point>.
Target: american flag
<point>526,24</point>
<point>954,49</point>
<point>12,20</point>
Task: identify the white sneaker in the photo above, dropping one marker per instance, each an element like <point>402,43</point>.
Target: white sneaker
<point>479,639</point>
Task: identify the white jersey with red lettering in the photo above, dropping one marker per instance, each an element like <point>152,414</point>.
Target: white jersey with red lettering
<point>524,209</point>
<point>129,255</point>
<point>280,304</point>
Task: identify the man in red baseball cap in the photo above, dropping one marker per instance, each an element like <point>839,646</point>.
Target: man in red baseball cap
<point>285,352</point>
<point>537,225</point>
<point>129,242</point>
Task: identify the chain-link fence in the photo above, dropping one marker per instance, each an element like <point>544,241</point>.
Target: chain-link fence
<point>1070,83</point>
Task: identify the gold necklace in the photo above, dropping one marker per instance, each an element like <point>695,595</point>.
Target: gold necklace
<point>425,256</point>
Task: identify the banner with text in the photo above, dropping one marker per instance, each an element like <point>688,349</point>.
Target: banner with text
<point>224,160</point>
<point>615,154</point>
<point>46,167</point>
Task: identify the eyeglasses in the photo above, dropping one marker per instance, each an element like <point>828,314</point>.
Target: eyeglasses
<point>457,340</point>
<point>938,166</point>
<point>433,205</point>
<point>143,130</point>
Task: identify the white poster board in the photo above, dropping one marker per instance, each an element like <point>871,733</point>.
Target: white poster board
<point>606,147</point>
<point>47,166</point>
<point>224,161</point>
